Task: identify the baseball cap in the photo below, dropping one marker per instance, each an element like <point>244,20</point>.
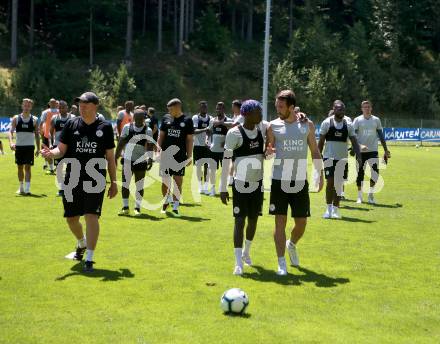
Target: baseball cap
<point>88,97</point>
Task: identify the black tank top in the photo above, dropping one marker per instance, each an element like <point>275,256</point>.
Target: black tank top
<point>132,132</point>
<point>60,122</point>
<point>24,127</point>
<point>250,146</point>
<point>202,122</point>
<point>340,135</point>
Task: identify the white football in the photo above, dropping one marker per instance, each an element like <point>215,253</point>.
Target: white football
<point>234,300</point>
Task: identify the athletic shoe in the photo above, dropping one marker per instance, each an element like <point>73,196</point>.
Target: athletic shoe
<point>238,270</point>
<point>335,214</point>
<point>212,193</point>
<point>20,192</point>
<point>60,193</point>
<point>27,193</point>
<point>246,259</point>
<point>164,208</point>
<point>124,211</point>
<point>44,167</point>
<point>175,213</point>
<point>79,254</point>
<point>88,266</point>
<point>282,268</point>
<point>137,212</point>
<point>291,248</point>
<point>327,214</point>
<point>50,172</point>
<point>359,200</point>
<point>371,199</point>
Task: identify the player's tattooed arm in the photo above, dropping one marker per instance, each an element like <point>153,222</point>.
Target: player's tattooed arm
<point>270,143</point>
<point>356,148</point>
<point>316,154</point>
<point>383,142</point>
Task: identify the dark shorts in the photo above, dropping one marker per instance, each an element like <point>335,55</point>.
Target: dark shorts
<point>167,172</point>
<point>332,166</point>
<point>24,155</point>
<point>141,166</point>
<point>83,202</point>
<point>247,203</point>
<point>298,200</point>
<point>217,157</point>
<point>200,152</point>
<point>372,159</point>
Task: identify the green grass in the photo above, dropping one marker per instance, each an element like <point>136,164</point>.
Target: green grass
<point>373,278</point>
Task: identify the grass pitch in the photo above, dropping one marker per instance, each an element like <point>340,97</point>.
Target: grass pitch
<point>372,277</point>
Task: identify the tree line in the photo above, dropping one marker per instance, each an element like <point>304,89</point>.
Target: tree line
<point>324,49</point>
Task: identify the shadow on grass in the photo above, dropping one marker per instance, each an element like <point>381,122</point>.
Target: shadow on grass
<point>393,206</point>
<point>187,218</point>
<point>354,219</point>
<point>309,276</point>
<point>33,195</point>
<point>145,217</point>
<point>348,207</point>
<point>236,315</point>
<point>106,275</point>
<point>190,205</point>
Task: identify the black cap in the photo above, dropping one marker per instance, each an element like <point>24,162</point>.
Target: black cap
<point>88,97</point>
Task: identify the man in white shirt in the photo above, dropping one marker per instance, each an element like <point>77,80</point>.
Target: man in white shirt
<point>369,130</point>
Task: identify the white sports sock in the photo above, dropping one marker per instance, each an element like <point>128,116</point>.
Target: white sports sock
<point>82,242</point>
<point>138,203</point>
<point>329,207</point>
<point>27,186</point>
<point>281,260</point>
<point>176,205</point>
<point>205,186</point>
<point>371,192</point>
<point>360,194</point>
<point>51,166</point>
<point>21,186</point>
<point>89,256</point>
<point>247,247</point>
<point>237,252</point>
<point>125,202</point>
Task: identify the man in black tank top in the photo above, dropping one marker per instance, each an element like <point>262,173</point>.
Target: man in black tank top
<point>245,144</point>
<point>334,133</point>
<point>137,159</point>
<point>87,146</point>
<point>25,126</point>
<point>176,143</point>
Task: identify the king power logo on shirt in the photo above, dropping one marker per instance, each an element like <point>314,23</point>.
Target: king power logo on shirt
<point>254,144</point>
<point>174,132</point>
<point>293,145</point>
<point>84,146</point>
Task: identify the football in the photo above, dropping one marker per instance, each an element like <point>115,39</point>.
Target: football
<point>234,300</point>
